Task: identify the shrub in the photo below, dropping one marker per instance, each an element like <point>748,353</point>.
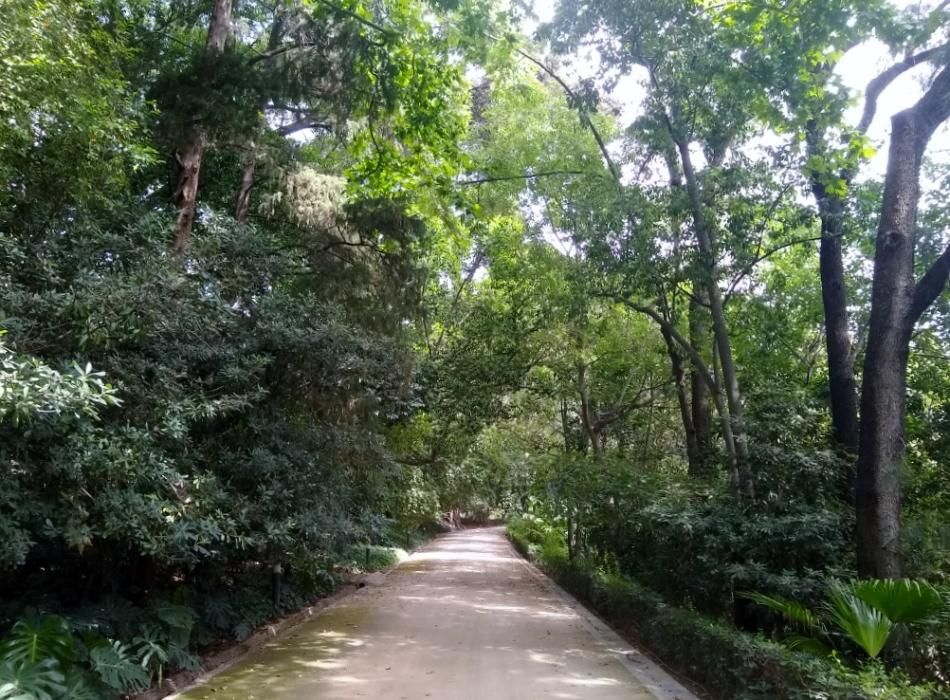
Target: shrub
<point>371,557</point>
<point>726,662</point>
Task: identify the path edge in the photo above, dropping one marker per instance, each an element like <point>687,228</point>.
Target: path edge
<point>185,681</point>
<point>660,682</point>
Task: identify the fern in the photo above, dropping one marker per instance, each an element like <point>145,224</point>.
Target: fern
<point>31,681</point>
<point>117,667</point>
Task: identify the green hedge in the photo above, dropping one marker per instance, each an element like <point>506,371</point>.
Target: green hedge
<point>725,662</point>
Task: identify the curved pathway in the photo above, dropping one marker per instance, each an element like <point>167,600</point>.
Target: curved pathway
<point>463,618</point>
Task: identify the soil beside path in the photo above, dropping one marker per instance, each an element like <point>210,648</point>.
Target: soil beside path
<point>463,618</point>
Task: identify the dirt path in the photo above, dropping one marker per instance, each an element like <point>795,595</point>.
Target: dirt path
<point>462,619</point>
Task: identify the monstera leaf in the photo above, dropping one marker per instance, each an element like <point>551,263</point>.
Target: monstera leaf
<point>118,668</point>
<point>29,681</point>
<point>38,639</point>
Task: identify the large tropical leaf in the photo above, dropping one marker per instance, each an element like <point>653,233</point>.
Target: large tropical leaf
<point>32,641</point>
<point>864,625</point>
<point>80,685</point>
<point>27,681</point>
<point>118,668</point>
<point>790,609</point>
<point>901,600</point>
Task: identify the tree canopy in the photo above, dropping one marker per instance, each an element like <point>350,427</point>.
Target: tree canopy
<point>283,277</point>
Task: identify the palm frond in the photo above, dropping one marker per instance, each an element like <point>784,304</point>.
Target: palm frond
<point>864,625</point>
<point>808,645</point>
<point>901,600</point>
<point>790,609</point>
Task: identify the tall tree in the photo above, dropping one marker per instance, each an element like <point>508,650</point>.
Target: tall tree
<point>898,299</point>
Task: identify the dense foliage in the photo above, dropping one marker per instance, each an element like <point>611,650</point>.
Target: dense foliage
<point>283,281</point>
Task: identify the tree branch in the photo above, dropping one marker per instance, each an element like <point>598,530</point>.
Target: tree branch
<point>584,115</point>
<point>525,176</point>
<point>882,81</point>
<point>767,254</point>
<point>301,124</point>
<point>930,286</point>
<point>694,356</point>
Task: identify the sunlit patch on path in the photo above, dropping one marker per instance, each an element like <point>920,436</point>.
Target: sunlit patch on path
<point>462,619</point>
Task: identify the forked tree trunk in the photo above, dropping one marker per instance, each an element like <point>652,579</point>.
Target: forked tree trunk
<point>194,140</point>
<point>896,305</point>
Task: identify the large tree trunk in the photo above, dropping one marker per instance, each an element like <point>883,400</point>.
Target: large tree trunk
<point>189,156</point>
<point>194,140</point>
<point>896,305</point>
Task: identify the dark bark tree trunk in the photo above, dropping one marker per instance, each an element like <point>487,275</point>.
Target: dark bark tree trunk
<point>194,140</point>
<point>834,299</point>
<point>843,395</point>
<point>700,405</point>
<point>896,305</point>
<point>842,384</point>
<point>588,419</point>
<point>679,381</point>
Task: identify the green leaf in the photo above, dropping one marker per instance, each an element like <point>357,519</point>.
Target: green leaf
<point>28,681</point>
<point>790,609</point>
<point>38,639</point>
<point>862,624</point>
<point>118,668</point>
<point>902,600</point>
<point>808,645</point>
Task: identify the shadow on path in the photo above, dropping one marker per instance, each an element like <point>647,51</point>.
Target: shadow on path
<point>461,619</point>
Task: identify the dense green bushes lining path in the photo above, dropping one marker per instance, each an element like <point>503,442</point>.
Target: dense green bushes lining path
<point>724,661</point>
<point>284,278</point>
